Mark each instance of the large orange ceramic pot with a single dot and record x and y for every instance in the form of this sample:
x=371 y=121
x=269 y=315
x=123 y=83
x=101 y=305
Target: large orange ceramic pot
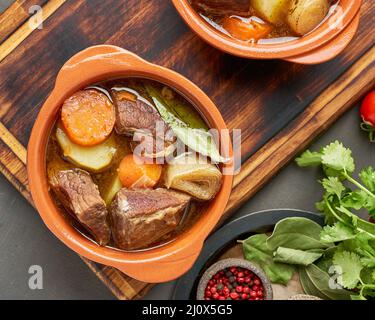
x=320 y=45
x=101 y=63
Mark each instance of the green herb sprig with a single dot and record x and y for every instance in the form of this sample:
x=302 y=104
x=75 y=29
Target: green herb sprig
x=338 y=165
x=344 y=247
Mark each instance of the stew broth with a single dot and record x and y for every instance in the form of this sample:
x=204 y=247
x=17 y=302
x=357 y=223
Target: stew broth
x=65 y=158
x=258 y=23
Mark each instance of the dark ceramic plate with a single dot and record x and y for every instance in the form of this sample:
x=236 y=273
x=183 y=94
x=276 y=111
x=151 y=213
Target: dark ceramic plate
x=226 y=237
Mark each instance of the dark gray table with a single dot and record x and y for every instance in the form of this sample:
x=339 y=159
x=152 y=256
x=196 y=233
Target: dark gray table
x=5 y=4
x=25 y=241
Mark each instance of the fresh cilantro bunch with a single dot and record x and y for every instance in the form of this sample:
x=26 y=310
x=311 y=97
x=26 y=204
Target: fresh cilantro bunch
x=343 y=250
x=342 y=191
x=354 y=253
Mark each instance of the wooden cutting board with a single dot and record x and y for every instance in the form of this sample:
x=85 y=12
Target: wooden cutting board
x=280 y=107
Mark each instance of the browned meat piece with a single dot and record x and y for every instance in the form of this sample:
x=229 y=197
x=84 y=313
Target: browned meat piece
x=138 y=117
x=80 y=196
x=142 y=217
x=222 y=7
x=134 y=115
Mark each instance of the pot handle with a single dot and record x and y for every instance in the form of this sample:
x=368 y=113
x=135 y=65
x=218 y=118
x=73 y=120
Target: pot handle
x=330 y=50
x=95 y=62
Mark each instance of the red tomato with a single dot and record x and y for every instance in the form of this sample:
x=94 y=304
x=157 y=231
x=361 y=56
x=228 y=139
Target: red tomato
x=368 y=109
x=368 y=115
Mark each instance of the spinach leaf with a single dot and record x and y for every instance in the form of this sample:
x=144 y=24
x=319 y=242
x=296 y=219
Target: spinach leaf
x=255 y=249
x=296 y=257
x=296 y=233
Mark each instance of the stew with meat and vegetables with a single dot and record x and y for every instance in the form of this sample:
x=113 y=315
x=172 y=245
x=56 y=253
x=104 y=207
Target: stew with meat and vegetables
x=126 y=163
x=265 y=21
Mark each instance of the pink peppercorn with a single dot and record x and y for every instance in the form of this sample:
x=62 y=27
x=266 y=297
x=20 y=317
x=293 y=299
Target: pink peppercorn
x=239 y=288
x=234 y=295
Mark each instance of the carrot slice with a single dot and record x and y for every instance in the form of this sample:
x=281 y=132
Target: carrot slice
x=133 y=173
x=88 y=117
x=246 y=31
x=125 y=95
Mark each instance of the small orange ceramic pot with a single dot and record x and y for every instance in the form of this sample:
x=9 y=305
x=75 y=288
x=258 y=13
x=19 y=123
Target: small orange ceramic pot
x=320 y=45
x=97 y=64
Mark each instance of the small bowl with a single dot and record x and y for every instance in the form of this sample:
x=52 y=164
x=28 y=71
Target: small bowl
x=92 y=65
x=227 y=263
x=320 y=45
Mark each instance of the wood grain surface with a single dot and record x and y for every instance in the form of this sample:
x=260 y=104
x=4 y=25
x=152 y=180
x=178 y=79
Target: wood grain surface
x=279 y=106
x=16 y=15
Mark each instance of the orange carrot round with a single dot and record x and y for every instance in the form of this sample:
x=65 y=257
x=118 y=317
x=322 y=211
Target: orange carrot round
x=246 y=31
x=133 y=173
x=88 y=117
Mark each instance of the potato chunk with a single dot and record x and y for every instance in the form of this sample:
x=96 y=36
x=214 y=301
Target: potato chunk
x=273 y=11
x=305 y=15
x=93 y=159
x=114 y=186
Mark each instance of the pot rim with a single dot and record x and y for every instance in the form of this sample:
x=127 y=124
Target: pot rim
x=90 y=66
x=315 y=39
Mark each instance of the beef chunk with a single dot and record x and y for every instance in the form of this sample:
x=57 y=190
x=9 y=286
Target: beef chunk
x=142 y=119
x=80 y=196
x=142 y=217
x=134 y=115
x=222 y=7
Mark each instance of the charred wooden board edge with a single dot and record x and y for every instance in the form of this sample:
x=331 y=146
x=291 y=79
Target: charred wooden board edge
x=118 y=283
x=15 y=15
x=24 y=30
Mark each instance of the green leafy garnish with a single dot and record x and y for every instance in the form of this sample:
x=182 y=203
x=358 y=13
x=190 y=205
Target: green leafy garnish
x=338 y=260
x=297 y=257
x=333 y=186
x=317 y=282
x=179 y=110
x=309 y=158
x=296 y=233
x=197 y=139
x=337 y=233
x=355 y=200
x=337 y=157
x=255 y=249
x=338 y=165
x=367 y=176
x=354 y=253
x=348 y=265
